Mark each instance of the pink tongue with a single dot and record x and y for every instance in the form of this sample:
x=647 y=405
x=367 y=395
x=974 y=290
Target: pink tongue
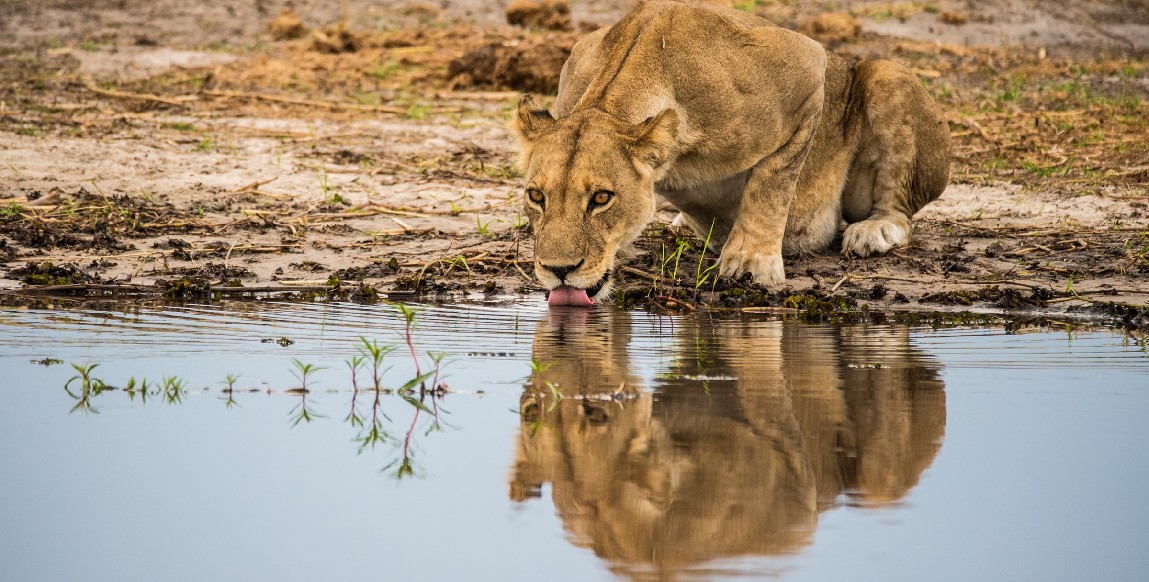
x=564 y=295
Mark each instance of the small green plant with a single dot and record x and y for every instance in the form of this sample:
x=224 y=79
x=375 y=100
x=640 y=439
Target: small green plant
x=454 y=262
x=325 y=185
x=383 y=70
x=1010 y=94
x=302 y=371
x=1036 y=169
x=375 y=354
x=417 y=111
x=484 y=228
x=229 y=382
x=204 y=145
x=408 y=315
x=12 y=210
x=354 y=364
x=746 y=5
x=683 y=245
x=702 y=275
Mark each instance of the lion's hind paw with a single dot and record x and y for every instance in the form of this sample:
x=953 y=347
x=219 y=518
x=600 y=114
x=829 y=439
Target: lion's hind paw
x=874 y=236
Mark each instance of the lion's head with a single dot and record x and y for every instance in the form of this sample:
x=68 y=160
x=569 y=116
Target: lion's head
x=589 y=191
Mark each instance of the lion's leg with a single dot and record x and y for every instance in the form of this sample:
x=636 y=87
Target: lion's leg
x=755 y=242
x=887 y=224
x=893 y=174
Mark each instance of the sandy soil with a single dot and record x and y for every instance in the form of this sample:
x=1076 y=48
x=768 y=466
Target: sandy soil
x=148 y=142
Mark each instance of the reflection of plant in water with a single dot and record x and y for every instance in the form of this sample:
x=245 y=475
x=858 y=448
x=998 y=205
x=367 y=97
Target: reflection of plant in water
x=406 y=467
x=414 y=392
x=89 y=386
x=300 y=412
x=134 y=388
x=531 y=409
x=229 y=389
x=422 y=393
x=173 y=390
x=371 y=354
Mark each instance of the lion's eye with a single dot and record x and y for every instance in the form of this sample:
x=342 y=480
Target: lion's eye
x=600 y=198
x=536 y=196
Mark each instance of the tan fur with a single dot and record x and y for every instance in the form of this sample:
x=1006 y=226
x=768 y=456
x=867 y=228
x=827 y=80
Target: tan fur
x=760 y=137
x=684 y=470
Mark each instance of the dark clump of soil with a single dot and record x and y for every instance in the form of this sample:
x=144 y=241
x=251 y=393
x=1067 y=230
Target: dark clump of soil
x=42 y=236
x=86 y=221
x=287 y=26
x=548 y=14
x=1130 y=316
x=532 y=65
x=336 y=39
x=186 y=289
x=1007 y=298
x=215 y=271
x=50 y=274
x=309 y=266
x=831 y=27
x=376 y=270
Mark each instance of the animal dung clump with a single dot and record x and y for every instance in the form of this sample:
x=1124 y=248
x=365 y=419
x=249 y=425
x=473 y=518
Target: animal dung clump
x=831 y=27
x=953 y=18
x=287 y=26
x=545 y=14
x=530 y=65
x=335 y=39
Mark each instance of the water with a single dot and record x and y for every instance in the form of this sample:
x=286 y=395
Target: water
x=683 y=449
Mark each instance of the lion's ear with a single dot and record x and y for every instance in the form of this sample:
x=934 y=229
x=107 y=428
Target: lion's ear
x=530 y=122
x=654 y=138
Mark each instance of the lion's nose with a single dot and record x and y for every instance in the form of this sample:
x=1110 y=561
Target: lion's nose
x=561 y=271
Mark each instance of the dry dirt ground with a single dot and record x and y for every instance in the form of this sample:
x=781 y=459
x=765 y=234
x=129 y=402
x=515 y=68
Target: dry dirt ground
x=361 y=149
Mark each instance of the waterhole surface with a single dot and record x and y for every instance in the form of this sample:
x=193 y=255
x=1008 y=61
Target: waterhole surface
x=682 y=448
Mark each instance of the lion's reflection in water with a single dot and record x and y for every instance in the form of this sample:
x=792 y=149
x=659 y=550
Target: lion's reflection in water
x=750 y=430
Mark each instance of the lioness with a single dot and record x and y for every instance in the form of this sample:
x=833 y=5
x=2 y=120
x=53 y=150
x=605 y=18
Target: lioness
x=763 y=140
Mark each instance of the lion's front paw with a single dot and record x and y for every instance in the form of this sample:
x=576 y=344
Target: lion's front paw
x=874 y=236
x=737 y=259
